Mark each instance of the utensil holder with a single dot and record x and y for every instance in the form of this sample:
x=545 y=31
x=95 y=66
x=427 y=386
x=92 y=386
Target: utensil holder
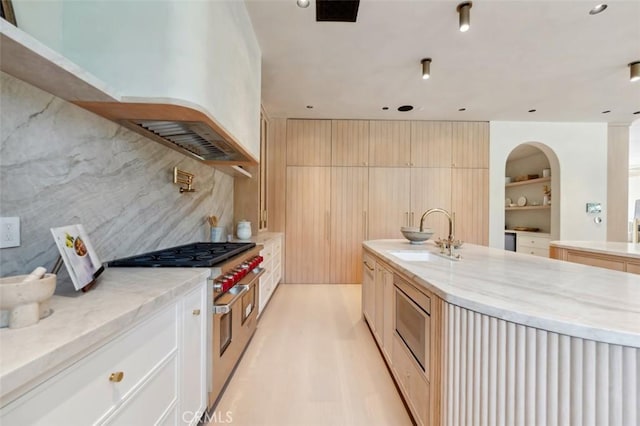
x=217 y=234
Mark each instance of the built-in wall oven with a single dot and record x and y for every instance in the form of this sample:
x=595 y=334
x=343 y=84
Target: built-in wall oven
x=412 y=322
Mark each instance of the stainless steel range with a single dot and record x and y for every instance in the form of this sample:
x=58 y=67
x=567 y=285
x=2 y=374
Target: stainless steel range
x=232 y=294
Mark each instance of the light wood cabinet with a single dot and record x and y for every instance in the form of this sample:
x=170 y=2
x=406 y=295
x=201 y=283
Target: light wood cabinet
x=277 y=174
x=431 y=143
x=616 y=262
x=389 y=201
x=308 y=224
x=412 y=381
x=272 y=261
x=390 y=143
x=380 y=277
x=431 y=187
x=470 y=147
x=368 y=288
x=348 y=223
x=389 y=312
x=350 y=143
x=470 y=202
x=308 y=142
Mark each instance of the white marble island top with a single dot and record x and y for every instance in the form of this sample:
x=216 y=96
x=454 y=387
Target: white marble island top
x=567 y=298
x=603 y=247
x=81 y=324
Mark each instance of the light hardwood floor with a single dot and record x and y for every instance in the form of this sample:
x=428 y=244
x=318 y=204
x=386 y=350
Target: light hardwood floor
x=312 y=361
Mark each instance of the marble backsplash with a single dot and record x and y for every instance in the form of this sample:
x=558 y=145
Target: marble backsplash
x=61 y=165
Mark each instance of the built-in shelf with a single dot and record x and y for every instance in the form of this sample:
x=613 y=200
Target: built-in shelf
x=528 y=208
x=528 y=182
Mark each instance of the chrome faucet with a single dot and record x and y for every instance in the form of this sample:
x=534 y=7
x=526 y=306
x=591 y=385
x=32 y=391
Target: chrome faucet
x=450 y=216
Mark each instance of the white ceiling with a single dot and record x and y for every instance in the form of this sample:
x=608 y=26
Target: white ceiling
x=551 y=56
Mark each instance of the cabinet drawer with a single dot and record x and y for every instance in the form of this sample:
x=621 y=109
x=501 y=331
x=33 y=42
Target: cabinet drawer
x=594 y=260
x=536 y=251
x=634 y=268
x=83 y=393
x=534 y=241
x=411 y=380
x=159 y=391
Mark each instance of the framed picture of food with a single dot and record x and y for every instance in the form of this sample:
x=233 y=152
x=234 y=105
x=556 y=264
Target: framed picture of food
x=78 y=255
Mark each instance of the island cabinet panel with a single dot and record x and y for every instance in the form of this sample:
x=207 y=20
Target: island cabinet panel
x=390 y=143
x=349 y=192
x=616 y=262
x=368 y=288
x=470 y=202
x=350 y=143
x=308 y=142
x=431 y=143
x=500 y=372
x=470 y=147
x=307 y=235
x=389 y=203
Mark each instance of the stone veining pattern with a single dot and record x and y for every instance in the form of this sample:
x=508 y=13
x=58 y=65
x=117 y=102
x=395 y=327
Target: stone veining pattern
x=61 y=165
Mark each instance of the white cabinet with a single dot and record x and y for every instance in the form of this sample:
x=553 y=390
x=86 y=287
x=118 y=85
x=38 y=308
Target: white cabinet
x=193 y=359
x=272 y=264
x=146 y=375
x=535 y=244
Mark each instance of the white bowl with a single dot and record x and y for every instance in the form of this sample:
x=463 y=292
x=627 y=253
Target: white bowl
x=23 y=299
x=413 y=234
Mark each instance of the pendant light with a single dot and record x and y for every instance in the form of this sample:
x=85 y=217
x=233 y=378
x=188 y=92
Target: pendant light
x=465 y=19
x=634 y=71
x=426 y=68
x=303 y=3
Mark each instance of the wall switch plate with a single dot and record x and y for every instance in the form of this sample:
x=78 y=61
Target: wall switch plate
x=594 y=208
x=9 y=232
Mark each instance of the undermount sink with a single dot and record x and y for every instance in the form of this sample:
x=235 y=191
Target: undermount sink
x=23 y=300
x=412 y=256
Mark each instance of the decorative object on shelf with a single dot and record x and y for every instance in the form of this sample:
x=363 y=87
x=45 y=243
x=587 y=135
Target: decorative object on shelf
x=181 y=177
x=546 y=200
x=522 y=201
x=507 y=179
x=78 y=255
x=507 y=202
x=525 y=228
x=546 y=173
x=244 y=230
x=522 y=178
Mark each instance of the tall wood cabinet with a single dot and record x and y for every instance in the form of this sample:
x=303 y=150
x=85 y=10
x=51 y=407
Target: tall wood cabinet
x=352 y=180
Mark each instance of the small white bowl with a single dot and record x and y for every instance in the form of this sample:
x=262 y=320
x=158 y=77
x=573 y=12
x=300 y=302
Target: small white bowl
x=413 y=234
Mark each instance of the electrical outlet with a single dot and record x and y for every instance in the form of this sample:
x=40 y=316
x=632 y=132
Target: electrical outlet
x=9 y=232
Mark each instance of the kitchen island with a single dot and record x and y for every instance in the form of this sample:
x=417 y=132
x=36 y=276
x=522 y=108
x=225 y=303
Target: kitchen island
x=618 y=256
x=516 y=339
x=102 y=353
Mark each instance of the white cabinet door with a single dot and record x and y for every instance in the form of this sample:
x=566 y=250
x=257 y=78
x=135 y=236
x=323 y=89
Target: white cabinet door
x=193 y=380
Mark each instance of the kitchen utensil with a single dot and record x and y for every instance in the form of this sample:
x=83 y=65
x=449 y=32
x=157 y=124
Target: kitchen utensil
x=213 y=221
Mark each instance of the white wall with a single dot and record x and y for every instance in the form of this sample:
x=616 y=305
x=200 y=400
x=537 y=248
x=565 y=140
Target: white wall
x=581 y=175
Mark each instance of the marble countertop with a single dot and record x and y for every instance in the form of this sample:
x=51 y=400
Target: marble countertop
x=603 y=247
x=86 y=321
x=568 y=298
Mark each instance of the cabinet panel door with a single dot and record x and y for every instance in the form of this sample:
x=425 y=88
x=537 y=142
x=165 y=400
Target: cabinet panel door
x=388 y=201
x=308 y=142
x=390 y=143
x=431 y=143
x=350 y=143
x=431 y=187
x=470 y=202
x=307 y=228
x=368 y=289
x=470 y=145
x=348 y=219
x=389 y=314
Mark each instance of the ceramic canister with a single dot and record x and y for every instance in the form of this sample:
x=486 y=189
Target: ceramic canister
x=244 y=230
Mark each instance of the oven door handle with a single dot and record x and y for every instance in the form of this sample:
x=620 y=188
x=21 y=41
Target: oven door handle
x=225 y=309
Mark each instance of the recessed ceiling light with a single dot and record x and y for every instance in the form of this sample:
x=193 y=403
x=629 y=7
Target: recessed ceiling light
x=634 y=71
x=606 y=112
x=462 y=109
x=303 y=3
x=405 y=108
x=598 y=9
x=532 y=110
x=310 y=106
x=385 y=108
